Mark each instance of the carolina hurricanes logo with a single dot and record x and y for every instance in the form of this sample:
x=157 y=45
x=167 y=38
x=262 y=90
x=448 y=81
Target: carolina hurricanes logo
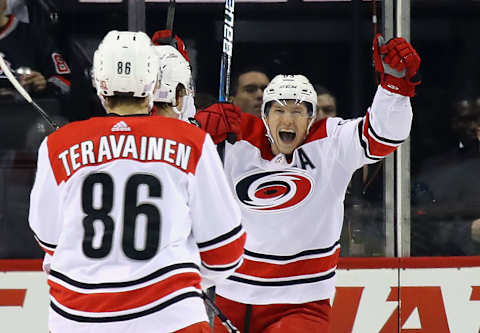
x=274 y=190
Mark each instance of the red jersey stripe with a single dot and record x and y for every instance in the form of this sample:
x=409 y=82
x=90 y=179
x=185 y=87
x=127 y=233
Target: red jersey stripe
x=302 y=267
x=125 y=300
x=226 y=254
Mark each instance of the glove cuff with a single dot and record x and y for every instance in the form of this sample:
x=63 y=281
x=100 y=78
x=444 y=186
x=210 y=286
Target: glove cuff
x=399 y=86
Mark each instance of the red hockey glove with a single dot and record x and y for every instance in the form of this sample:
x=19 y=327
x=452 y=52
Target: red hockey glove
x=221 y=121
x=398 y=64
x=164 y=37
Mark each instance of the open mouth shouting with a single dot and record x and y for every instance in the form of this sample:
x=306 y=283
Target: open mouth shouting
x=287 y=136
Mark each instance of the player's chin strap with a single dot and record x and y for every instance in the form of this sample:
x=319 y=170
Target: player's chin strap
x=150 y=106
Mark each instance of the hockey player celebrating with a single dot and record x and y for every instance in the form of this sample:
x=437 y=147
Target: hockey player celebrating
x=290 y=176
x=119 y=206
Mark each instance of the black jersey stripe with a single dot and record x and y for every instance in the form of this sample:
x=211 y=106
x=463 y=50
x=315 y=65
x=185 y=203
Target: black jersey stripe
x=381 y=138
x=364 y=144
x=293 y=256
x=161 y=306
x=149 y=277
x=280 y=283
x=47 y=245
x=221 y=268
x=221 y=238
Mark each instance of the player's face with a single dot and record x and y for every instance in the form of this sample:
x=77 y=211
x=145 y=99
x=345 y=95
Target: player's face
x=250 y=92
x=288 y=122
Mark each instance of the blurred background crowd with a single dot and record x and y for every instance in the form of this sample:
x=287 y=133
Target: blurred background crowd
x=49 y=46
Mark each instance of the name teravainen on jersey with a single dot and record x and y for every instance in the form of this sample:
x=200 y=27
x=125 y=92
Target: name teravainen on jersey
x=125 y=146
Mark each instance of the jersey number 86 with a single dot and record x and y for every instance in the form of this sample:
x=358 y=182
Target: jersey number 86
x=131 y=211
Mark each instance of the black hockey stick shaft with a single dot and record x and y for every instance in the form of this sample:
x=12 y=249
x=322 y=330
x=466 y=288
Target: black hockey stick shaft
x=226 y=61
x=223 y=94
x=45 y=116
x=217 y=312
x=227 y=48
x=170 y=20
x=170 y=15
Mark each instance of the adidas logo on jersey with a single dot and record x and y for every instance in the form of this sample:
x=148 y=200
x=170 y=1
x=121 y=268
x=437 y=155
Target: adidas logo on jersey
x=121 y=126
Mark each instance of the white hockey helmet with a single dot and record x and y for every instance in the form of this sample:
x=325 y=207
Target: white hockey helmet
x=125 y=62
x=289 y=87
x=174 y=70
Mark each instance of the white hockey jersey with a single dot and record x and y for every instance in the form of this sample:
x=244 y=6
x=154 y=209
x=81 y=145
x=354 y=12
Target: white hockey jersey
x=135 y=211
x=293 y=212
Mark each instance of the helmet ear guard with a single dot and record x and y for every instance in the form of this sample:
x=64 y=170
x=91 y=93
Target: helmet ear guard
x=125 y=64
x=174 y=70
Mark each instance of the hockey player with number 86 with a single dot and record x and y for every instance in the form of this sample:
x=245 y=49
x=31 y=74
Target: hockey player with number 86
x=121 y=206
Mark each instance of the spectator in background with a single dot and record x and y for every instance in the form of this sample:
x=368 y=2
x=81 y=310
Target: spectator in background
x=31 y=53
x=203 y=100
x=326 y=102
x=446 y=192
x=247 y=90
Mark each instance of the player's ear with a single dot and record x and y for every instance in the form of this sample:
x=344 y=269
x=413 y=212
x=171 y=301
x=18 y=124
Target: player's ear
x=180 y=92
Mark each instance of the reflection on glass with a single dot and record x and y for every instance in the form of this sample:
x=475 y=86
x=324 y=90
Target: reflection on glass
x=446 y=191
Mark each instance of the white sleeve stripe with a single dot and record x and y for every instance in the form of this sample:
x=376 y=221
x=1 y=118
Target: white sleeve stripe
x=220 y=268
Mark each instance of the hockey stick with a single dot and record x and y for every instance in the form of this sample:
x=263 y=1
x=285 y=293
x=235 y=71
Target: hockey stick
x=25 y=94
x=226 y=63
x=223 y=92
x=171 y=16
x=227 y=48
x=217 y=312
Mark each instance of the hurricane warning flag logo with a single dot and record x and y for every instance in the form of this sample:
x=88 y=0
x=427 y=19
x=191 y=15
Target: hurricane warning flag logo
x=274 y=190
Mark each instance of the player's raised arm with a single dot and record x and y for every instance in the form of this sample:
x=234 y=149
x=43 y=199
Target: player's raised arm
x=388 y=121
